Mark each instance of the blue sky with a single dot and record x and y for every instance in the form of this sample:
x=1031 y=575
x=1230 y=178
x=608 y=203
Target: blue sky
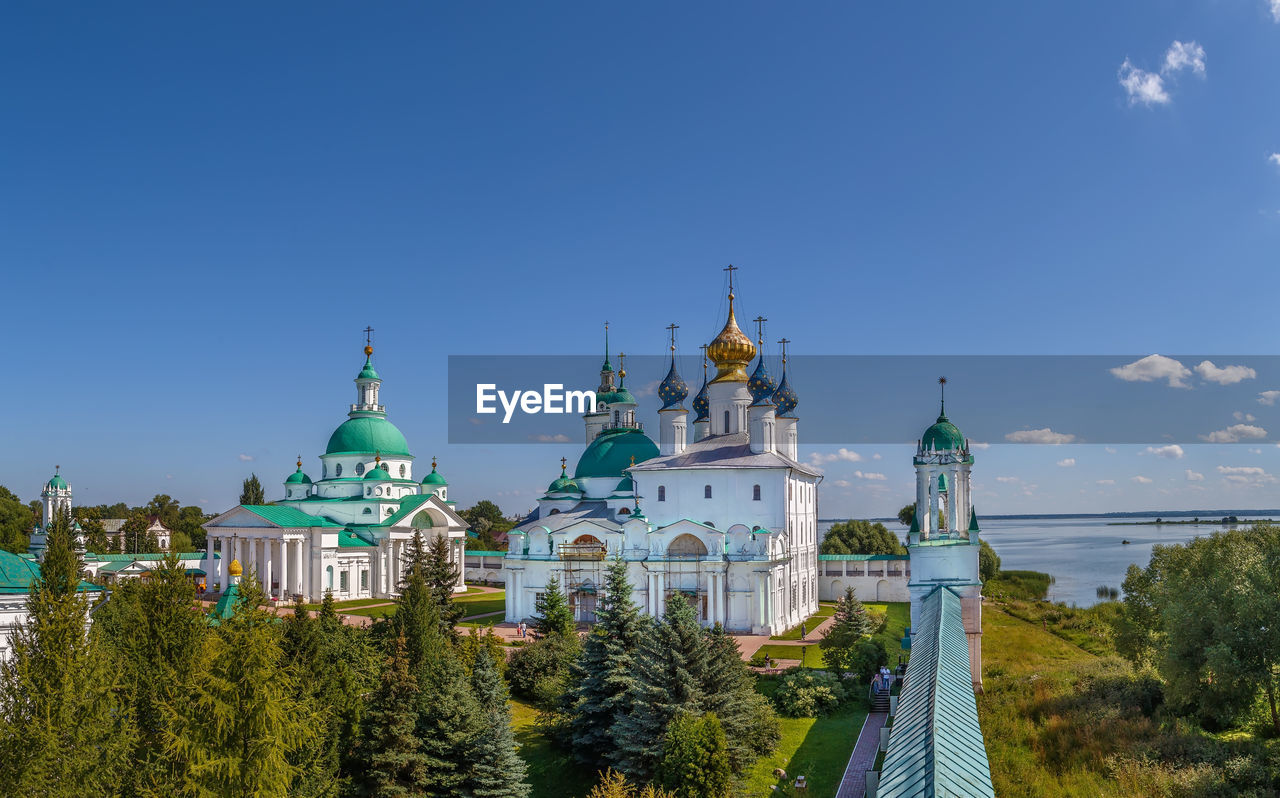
x=202 y=205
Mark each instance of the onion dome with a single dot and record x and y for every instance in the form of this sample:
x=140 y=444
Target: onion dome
x=57 y=482
x=234 y=568
x=297 y=477
x=701 y=404
x=368 y=373
x=613 y=452
x=366 y=434
x=731 y=351
x=625 y=486
x=943 y=436
x=673 y=390
x=563 y=484
x=785 y=398
x=379 y=471
x=761 y=385
x=434 y=478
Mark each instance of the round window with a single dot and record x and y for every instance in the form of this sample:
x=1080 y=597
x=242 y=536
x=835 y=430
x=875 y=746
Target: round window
x=377 y=491
x=337 y=470
x=359 y=469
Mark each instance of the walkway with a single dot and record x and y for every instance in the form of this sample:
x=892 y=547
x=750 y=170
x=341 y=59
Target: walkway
x=854 y=782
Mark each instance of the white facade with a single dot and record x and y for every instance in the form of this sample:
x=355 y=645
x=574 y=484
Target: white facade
x=348 y=532
x=730 y=520
x=873 y=577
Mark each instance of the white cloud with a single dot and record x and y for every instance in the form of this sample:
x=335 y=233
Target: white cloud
x=1194 y=476
x=843 y=483
x=1067 y=463
x=1006 y=480
x=875 y=456
x=1236 y=433
x=1275 y=156
x=245 y=458
x=1275 y=10
x=1044 y=435
x=1183 y=55
x=870 y=475
x=1242 y=416
x=1247 y=471
x=559 y=437
x=1255 y=451
x=1171 y=452
x=841 y=454
x=1142 y=86
x=649 y=389
x=979 y=445
x=1227 y=375
x=1268 y=398
x=1109 y=449
x=1106 y=482
x=1141 y=480
x=1154 y=368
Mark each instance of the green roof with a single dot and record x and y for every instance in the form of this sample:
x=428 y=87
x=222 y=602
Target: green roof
x=973 y=522
x=57 y=482
x=280 y=515
x=864 y=556
x=367 y=373
x=936 y=745
x=942 y=436
x=368 y=435
x=408 y=505
x=298 y=477
x=350 y=538
x=16 y=573
x=475 y=553
x=378 y=472
x=611 y=453
x=226 y=606
x=434 y=478
x=154 y=555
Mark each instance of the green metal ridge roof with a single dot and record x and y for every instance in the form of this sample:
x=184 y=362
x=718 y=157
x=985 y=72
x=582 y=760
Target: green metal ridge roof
x=864 y=556
x=478 y=553
x=351 y=539
x=280 y=515
x=407 y=505
x=155 y=555
x=936 y=748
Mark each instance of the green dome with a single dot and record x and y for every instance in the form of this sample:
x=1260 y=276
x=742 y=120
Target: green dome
x=16 y=573
x=367 y=435
x=625 y=486
x=367 y=373
x=57 y=483
x=434 y=478
x=378 y=472
x=610 y=454
x=298 y=478
x=563 y=484
x=620 y=396
x=942 y=436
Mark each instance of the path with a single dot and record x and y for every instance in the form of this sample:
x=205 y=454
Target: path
x=854 y=782
x=750 y=644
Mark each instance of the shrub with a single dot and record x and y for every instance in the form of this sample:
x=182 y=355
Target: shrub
x=807 y=693
x=540 y=670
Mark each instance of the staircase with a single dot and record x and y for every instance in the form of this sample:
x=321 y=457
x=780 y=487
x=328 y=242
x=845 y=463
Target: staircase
x=880 y=702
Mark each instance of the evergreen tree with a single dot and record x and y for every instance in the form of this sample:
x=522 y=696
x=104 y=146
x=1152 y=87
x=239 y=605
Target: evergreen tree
x=695 y=762
x=417 y=617
x=746 y=716
x=851 y=626
x=63 y=729
x=244 y=723
x=497 y=771
x=448 y=717
x=470 y=645
x=669 y=672
x=613 y=784
x=391 y=762
x=602 y=676
x=554 y=615
x=442 y=575
x=251 y=491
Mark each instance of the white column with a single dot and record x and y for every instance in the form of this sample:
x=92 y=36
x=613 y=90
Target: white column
x=284 y=570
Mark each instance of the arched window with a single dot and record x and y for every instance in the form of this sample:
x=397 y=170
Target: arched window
x=726 y=422
x=617 y=416
x=422 y=521
x=337 y=470
x=402 y=470
x=706 y=491
x=359 y=469
x=329 y=576
x=377 y=491
x=755 y=493
x=368 y=511
x=662 y=493
x=553 y=512
x=624 y=511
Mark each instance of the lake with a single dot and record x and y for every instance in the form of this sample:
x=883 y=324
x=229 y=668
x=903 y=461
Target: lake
x=1080 y=553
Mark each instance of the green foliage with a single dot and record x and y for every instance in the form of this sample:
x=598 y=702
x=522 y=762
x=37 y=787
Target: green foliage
x=390 y=757
x=729 y=692
x=866 y=658
x=613 y=784
x=861 y=537
x=539 y=671
x=497 y=771
x=695 y=762
x=988 y=562
x=486 y=520
x=134 y=538
x=806 y=693
x=907 y=514
x=851 y=626
x=251 y=491
x=442 y=576
x=477 y=640
x=554 y=615
x=449 y=718
x=1017 y=585
x=15 y=522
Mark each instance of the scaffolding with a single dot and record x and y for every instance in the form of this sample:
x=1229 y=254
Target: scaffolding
x=681 y=563
x=582 y=562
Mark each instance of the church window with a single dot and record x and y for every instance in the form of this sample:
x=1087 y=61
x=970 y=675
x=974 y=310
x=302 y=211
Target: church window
x=364 y=580
x=755 y=493
x=662 y=493
x=726 y=422
x=329 y=573
x=359 y=469
x=368 y=511
x=377 y=491
x=402 y=470
x=624 y=511
x=342 y=581
x=617 y=416
x=337 y=472
x=553 y=512
x=706 y=491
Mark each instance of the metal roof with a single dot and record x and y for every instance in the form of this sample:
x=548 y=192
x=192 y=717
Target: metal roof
x=721 y=451
x=280 y=515
x=936 y=748
x=903 y=557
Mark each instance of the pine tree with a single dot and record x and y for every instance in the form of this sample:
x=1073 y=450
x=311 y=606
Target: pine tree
x=850 y=627
x=442 y=575
x=602 y=676
x=63 y=729
x=669 y=672
x=554 y=615
x=497 y=771
x=391 y=762
x=243 y=723
x=746 y=716
x=448 y=717
x=417 y=617
x=251 y=491
x=695 y=762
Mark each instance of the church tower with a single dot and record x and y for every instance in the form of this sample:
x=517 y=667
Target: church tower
x=944 y=538
x=673 y=417
x=727 y=395
x=55 y=498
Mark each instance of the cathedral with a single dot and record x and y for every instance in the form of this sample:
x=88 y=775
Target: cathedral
x=727 y=518
x=347 y=531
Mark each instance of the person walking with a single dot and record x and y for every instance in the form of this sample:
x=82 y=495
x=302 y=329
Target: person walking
x=803 y=631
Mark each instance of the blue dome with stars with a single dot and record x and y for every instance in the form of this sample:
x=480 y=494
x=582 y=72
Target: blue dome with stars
x=761 y=385
x=701 y=404
x=784 y=397
x=673 y=389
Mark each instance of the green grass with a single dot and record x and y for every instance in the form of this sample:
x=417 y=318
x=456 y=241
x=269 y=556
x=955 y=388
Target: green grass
x=817 y=748
x=897 y=617
x=1024 y=585
x=373 y=612
x=480 y=606
x=552 y=774
x=482 y=622
x=341 y=605
x=825 y=610
x=812 y=654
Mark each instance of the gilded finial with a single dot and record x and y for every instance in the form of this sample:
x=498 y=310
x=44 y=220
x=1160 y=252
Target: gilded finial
x=783 y=343
x=731 y=351
x=368 y=341
x=622 y=365
x=760 y=320
x=299 y=462
x=377 y=459
x=942 y=386
x=234 y=569
x=433 y=463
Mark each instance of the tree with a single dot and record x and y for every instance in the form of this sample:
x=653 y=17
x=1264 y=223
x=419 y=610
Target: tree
x=391 y=761
x=486 y=520
x=134 y=538
x=613 y=784
x=15 y=522
x=554 y=615
x=851 y=626
x=497 y=771
x=475 y=641
x=746 y=716
x=669 y=672
x=164 y=509
x=601 y=676
x=251 y=491
x=907 y=514
x=449 y=719
x=861 y=537
x=988 y=562
x=442 y=576
x=695 y=762
x=63 y=728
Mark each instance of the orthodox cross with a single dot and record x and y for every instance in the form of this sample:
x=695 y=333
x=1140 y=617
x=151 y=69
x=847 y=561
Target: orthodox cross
x=563 y=460
x=942 y=382
x=368 y=336
x=784 y=343
x=760 y=320
x=671 y=328
x=704 y=360
x=731 y=269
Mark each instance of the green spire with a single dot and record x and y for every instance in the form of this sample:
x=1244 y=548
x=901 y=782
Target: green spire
x=606 y=366
x=973 y=522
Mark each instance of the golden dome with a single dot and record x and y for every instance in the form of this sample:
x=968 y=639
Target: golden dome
x=731 y=351
x=234 y=569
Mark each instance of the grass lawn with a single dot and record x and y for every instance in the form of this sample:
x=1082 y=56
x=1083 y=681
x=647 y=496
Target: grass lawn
x=551 y=773
x=490 y=602
x=825 y=610
x=818 y=748
x=812 y=654
x=341 y=605
x=373 y=612
x=483 y=621
x=898 y=615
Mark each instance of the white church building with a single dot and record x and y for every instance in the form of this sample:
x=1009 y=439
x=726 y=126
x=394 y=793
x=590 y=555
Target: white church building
x=346 y=532
x=728 y=518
